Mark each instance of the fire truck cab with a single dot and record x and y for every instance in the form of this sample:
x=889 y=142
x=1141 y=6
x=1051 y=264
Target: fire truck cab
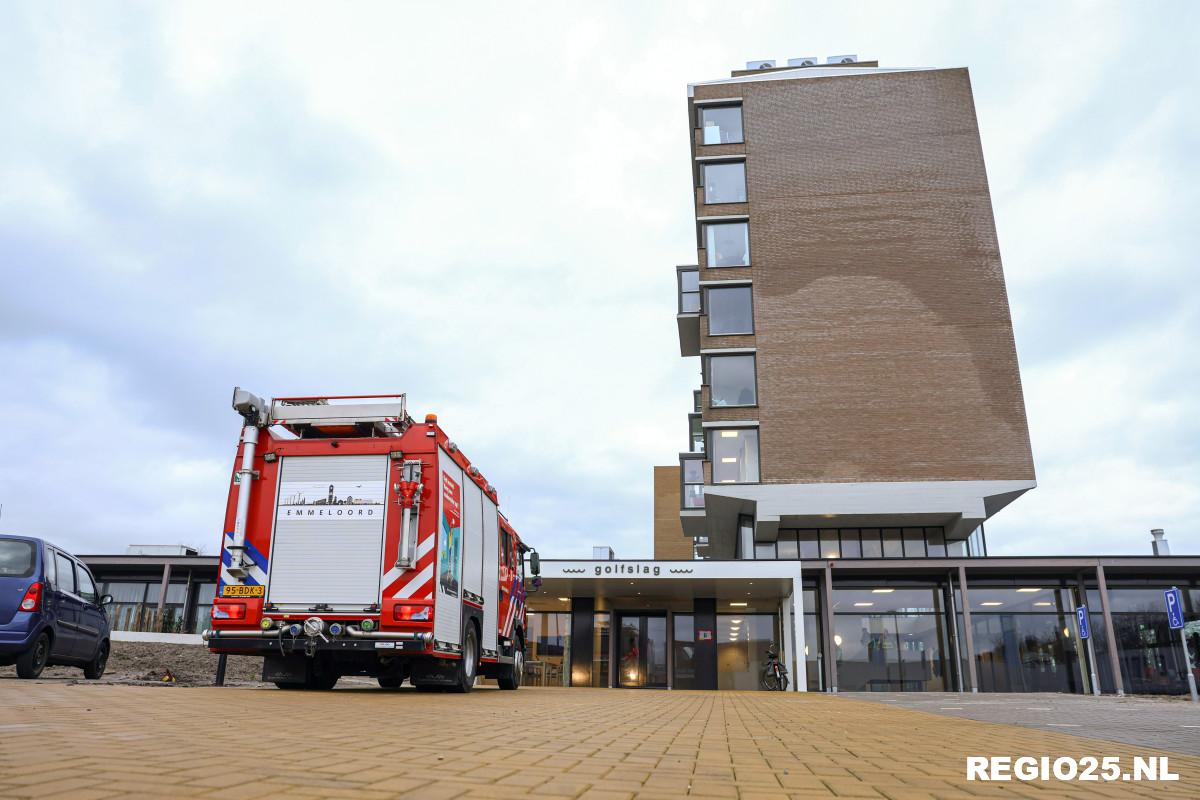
x=358 y=542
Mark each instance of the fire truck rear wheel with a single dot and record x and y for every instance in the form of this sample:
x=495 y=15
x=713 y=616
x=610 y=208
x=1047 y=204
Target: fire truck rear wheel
x=390 y=681
x=512 y=680
x=322 y=683
x=468 y=665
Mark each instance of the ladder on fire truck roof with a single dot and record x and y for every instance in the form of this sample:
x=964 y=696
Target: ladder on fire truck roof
x=383 y=415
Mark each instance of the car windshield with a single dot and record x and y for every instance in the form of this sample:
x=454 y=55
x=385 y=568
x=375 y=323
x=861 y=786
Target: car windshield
x=16 y=558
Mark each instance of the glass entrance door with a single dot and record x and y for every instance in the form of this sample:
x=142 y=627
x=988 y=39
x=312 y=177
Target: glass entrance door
x=642 y=651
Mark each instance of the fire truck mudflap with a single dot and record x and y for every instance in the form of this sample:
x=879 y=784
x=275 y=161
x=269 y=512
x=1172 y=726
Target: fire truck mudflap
x=365 y=544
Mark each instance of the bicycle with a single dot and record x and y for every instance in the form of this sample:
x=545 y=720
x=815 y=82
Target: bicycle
x=775 y=674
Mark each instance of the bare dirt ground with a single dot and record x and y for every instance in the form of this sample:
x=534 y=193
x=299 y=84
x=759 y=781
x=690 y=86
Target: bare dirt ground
x=151 y=662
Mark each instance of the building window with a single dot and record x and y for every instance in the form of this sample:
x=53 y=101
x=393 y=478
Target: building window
x=696 y=431
x=727 y=244
x=732 y=382
x=689 y=291
x=601 y=630
x=872 y=546
x=809 y=544
x=786 y=548
x=724 y=182
x=742 y=642
x=891 y=639
x=692 y=473
x=730 y=311
x=735 y=455
x=721 y=124
x=1024 y=638
x=548 y=649
x=684 y=644
x=829 y=544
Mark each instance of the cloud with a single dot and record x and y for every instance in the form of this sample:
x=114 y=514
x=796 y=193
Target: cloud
x=482 y=206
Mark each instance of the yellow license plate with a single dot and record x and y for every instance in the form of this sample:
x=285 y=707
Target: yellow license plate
x=243 y=591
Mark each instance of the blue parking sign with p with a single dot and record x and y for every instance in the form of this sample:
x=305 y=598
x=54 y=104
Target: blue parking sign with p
x=1081 y=614
x=1174 y=600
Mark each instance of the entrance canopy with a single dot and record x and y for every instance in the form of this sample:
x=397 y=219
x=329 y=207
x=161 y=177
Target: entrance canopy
x=669 y=580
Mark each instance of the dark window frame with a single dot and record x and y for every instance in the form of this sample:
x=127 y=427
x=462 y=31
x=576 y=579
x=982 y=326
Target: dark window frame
x=706 y=306
x=704 y=245
x=711 y=452
x=707 y=377
x=700 y=109
x=721 y=162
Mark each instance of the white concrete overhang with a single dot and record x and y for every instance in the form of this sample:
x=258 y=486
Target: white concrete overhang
x=958 y=506
x=622 y=580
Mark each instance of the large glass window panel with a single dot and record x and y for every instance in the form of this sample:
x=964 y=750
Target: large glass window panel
x=850 y=545
x=872 y=546
x=1025 y=653
x=809 y=544
x=742 y=642
x=126 y=610
x=548 y=649
x=935 y=539
x=601 y=631
x=689 y=291
x=764 y=550
x=696 y=431
x=693 y=482
x=684 y=651
x=735 y=455
x=829 y=544
x=893 y=545
x=732 y=382
x=724 y=182
x=730 y=311
x=204 y=593
x=721 y=124
x=914 y=542
x=814 y=666
x=727 y=244
x=786 y=547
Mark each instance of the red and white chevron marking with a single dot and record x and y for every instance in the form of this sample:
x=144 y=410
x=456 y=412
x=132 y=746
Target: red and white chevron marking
x=415 y=583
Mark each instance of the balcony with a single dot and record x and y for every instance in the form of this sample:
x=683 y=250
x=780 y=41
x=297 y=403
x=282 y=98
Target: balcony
x=688 y=312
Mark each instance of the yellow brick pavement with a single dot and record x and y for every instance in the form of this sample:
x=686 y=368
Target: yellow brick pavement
x=98 y=741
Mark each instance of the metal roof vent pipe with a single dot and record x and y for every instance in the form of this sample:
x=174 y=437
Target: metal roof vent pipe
x=1160 y=545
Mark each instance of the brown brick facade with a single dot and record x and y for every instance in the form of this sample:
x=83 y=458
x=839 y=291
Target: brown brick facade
x=669 y=541
x=885 y=344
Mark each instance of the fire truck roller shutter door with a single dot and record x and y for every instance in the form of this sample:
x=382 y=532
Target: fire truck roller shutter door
x=472 y=541
x=491 y=576
x=329 y=523
x=447 y=582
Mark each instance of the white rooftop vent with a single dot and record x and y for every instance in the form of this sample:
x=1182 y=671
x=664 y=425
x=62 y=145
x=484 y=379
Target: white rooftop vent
x=850 y=59
x=760 y=64
x=803 y=61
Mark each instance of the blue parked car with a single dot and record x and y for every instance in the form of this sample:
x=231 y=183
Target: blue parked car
x=50 y=612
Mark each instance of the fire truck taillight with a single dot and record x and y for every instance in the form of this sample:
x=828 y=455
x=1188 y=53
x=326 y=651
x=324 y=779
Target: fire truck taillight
x=32 y=601
x=410 y=613
x=229 y=611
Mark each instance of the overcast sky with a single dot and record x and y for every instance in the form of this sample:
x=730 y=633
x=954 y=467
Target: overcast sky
x=482 y=205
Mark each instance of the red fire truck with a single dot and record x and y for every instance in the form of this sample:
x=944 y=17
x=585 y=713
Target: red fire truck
x=359 y=542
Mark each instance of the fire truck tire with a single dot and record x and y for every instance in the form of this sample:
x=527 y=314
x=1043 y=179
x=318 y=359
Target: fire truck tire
x=468 y=665
x=289 y=684
x=511 y=678
x=390 y=681
x=322 y=683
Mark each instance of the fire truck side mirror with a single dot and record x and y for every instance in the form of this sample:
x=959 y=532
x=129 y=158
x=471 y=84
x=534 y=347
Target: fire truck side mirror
x=535 y=562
